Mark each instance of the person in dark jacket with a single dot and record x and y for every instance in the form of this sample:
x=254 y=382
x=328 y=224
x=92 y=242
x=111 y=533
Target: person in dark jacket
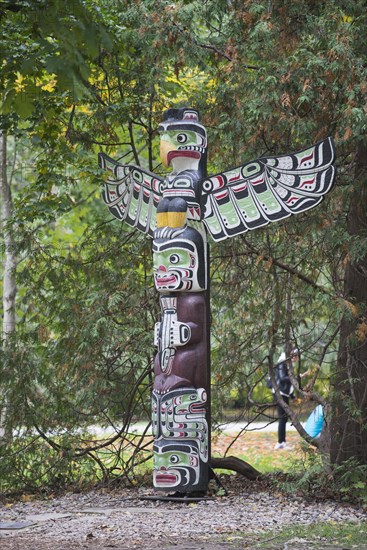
x=286 y=390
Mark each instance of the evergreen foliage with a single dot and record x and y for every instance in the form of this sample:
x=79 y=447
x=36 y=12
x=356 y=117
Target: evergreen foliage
x=268 y=77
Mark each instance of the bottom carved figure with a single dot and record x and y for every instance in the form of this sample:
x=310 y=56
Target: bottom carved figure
x=181 y=444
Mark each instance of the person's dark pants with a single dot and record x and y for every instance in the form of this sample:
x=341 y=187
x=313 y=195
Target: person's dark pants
x=283 y=417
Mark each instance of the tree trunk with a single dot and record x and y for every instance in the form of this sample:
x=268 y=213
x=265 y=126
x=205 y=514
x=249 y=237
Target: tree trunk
x=349 y=419
x=9 y=285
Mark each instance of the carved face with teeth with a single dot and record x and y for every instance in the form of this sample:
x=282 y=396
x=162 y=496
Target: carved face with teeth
x=175 y=266
x=183 y=140
x=176 y=464
x=179 y=260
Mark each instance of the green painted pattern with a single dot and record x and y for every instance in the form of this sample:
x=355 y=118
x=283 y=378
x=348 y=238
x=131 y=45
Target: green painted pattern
x=269 y=202
x=248 y=208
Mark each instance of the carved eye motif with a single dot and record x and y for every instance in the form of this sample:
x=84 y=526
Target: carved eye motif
x=174 y=259
x=174 y=459
x=181 y=138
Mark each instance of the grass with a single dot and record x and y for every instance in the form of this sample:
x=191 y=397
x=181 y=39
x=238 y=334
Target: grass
x=320 y=535
x=257 y=448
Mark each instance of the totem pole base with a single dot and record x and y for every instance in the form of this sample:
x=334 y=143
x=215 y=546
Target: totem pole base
x=189 y=497
x=177 y=497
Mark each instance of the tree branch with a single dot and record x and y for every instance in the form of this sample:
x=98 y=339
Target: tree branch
x=212 y=48
x=237 y=465
x=283 y=266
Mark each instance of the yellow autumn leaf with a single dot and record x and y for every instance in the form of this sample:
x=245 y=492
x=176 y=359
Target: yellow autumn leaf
x=49 y=86
x=85 y=109
x=19 y=84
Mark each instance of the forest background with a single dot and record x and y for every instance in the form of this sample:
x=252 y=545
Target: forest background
x=78 y=300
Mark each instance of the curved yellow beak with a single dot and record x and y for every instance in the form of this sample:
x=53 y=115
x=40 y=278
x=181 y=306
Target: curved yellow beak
x=165 y=148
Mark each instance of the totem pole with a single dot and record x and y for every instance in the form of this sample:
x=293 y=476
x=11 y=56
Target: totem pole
x=178 y=212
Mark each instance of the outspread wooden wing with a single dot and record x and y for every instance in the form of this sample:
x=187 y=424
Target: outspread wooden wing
x=267 y=190
x=131 y=194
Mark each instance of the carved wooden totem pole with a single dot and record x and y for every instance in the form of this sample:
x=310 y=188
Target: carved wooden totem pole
x=178 y=212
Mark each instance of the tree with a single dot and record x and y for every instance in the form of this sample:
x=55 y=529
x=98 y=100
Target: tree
x=349 y=437
x=9 y=285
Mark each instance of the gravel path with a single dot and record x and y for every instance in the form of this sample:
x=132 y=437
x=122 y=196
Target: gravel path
x=121 y=520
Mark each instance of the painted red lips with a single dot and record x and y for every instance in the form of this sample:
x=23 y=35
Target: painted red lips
x=165 y=478
x=163 y=281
